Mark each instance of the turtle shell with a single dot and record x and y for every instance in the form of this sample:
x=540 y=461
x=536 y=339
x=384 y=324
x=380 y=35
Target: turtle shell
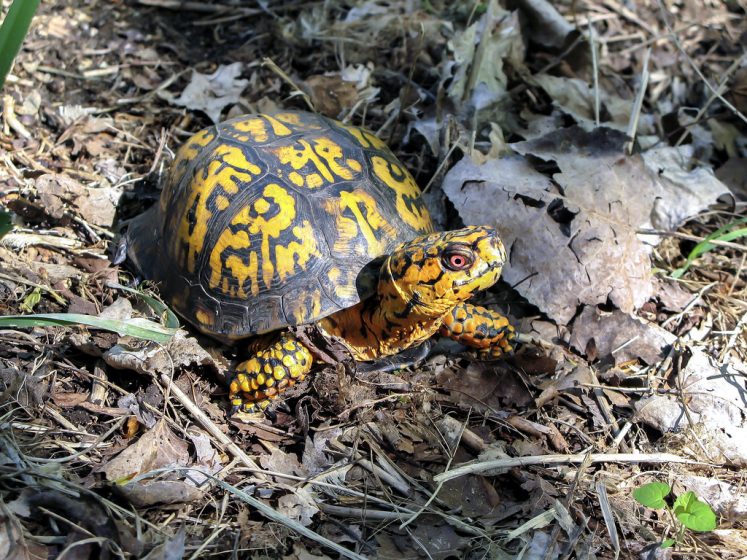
x=267 y=221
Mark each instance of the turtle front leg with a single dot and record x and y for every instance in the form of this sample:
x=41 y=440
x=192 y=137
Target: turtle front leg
x=478 y=327
x=268 y=373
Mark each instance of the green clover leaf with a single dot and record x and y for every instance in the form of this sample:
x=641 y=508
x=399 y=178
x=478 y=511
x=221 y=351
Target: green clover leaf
x=694 y=514
x=652 y=494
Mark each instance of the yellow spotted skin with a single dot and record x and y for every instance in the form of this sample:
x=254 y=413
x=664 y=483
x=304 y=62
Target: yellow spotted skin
x=479 y=328
x=271 y=221
x=269 y=372
x=416 y=293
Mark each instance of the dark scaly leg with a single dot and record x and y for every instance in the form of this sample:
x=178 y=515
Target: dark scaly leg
x=268 y=373
x=477 y=327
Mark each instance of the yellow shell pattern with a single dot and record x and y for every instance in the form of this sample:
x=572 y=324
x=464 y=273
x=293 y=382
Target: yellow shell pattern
x=266 y=221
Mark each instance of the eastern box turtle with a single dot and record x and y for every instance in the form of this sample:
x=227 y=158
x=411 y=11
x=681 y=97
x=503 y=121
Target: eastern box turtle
x=270 y=221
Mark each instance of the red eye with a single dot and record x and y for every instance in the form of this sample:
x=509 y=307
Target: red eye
x=457 y=261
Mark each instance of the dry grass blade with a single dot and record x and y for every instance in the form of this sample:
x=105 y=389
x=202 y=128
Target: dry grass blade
x=638 y=103
x=265 y=510
x=609 y=517
x=500 y=464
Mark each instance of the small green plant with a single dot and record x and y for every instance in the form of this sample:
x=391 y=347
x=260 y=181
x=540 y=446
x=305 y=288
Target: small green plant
x=13 y=31
x=724 y=233
x=692 y=513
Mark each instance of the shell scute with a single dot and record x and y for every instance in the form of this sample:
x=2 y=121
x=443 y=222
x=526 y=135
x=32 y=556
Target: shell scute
x=266 y=221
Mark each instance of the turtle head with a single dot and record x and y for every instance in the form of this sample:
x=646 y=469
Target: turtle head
x=435 y=272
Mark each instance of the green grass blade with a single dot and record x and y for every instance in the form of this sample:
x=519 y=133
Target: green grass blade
x=12 y=32
x=721 y=234
x=167 y=316
x=139 y=328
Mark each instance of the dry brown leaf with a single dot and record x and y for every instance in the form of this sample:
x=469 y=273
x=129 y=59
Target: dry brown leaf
x=157 y=448
x=156 y=492
x=479 y=53
x=69 y=400
x=618 y=337
x=60 y=193
x=438 y=540
x=715 y=399
x=315 y=458
x=577 y=98
x=300 y=553
x=575 y=242
x=299 y=506
x=484 y=386
x=734 y=174
x=211 y=93
x=282 y=462
x=671 y=294
x=472 y=495
x=181 y=351
x=331 y=95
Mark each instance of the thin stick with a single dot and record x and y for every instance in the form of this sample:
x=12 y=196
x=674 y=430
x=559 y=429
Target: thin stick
x=578 y=458
x=209 y=426
x=722 y=87
x=267 y=61
x=595 y=71
x=57 y=297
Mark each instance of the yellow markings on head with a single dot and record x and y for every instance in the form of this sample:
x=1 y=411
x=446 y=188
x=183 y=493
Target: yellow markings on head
x=397 y=178
x=316 y=162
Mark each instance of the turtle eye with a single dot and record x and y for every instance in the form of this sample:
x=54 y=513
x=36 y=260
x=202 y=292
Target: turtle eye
x=455 y=259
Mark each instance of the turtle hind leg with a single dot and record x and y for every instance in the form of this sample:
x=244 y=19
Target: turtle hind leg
x=477 y=327
x=269 y=372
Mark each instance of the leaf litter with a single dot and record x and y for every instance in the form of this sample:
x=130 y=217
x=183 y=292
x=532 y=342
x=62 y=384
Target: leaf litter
x=503 y=111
